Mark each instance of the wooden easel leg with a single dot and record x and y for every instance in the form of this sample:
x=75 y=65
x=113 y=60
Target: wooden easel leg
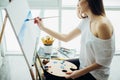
x=36 y=70
x=3 y=27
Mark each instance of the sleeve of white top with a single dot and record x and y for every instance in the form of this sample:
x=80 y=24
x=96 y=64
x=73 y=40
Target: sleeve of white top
x=104 y=51
x=82 y=24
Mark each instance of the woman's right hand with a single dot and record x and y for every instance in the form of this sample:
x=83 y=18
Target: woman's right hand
x=39 y=22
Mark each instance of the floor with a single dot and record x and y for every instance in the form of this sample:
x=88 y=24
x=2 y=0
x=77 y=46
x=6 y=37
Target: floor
x=18 y=68
x=20 y=71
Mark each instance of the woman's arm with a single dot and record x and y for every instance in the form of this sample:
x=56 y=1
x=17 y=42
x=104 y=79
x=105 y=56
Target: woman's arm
x=62 y=37
x=81 y=72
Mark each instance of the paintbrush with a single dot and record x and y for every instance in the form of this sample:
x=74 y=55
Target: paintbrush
x=42 y=18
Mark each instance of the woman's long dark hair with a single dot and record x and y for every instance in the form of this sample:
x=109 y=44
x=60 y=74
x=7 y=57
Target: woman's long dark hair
x=96 y=7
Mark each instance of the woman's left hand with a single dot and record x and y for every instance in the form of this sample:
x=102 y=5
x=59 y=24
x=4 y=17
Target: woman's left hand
x=73 y=75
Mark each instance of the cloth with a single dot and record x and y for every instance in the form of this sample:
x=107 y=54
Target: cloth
x=4 y=70
x=94 y=49
x=1 y=59
x=4 y=66
x=1 y=55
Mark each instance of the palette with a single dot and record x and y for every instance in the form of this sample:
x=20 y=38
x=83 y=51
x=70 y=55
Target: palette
x=59 y=67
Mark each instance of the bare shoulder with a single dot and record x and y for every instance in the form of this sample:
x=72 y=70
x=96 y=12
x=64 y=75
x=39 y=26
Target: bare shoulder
x=104 y=29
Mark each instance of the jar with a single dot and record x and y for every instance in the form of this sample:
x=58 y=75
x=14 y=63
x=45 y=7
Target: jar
x=48 y=51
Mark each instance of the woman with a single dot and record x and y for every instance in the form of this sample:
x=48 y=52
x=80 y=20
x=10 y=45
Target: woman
x=97 y=40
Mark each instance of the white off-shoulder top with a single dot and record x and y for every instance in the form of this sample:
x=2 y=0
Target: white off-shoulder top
x=97 y=50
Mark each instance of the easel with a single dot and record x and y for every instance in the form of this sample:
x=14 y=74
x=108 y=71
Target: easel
x=3 y=28
x=1 y=35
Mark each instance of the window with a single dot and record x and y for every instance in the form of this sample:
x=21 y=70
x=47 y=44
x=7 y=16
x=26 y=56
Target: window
x=114 y=15
x=11 y=41
x=69 y=3
x=69 y=22
x=111 y=2
x=51 y=23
